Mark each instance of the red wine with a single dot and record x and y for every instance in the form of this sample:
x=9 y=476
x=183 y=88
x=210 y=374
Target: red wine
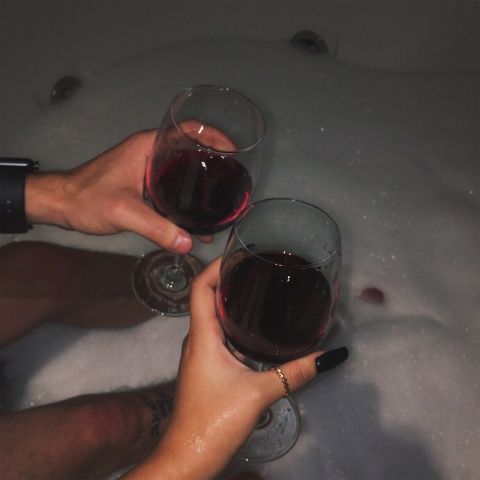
x=275 y=307
x=200 y=191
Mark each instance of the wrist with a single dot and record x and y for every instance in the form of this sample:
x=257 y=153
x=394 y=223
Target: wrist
x=182 y=455
x=45 y=198
x=174 y=464
x=161 y=464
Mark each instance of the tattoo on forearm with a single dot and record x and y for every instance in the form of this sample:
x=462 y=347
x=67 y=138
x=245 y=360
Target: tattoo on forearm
x=161 y=408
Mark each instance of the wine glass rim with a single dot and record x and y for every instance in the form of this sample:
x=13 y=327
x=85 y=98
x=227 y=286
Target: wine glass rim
x=332 y=253
x=210 y=149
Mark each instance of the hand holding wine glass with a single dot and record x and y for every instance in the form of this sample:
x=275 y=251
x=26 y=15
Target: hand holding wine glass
x=218 y=399
x=104 y=196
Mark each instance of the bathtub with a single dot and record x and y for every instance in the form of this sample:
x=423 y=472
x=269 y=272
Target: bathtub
x=382 y=132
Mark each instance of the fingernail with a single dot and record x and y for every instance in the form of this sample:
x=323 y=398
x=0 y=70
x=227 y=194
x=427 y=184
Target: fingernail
x=183 y=242
x=331 y=359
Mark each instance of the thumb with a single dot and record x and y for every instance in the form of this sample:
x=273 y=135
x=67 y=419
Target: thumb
x=300 y=371
x=140 y=218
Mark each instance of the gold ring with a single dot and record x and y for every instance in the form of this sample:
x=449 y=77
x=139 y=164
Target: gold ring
x=284 y=380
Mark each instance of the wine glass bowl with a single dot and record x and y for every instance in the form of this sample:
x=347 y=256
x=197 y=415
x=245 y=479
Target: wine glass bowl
x=278 y=289
x=201 y=175
x=279 y=280
x=203 y=169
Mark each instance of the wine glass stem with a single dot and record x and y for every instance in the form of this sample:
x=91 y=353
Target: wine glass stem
x=172 y=277
x=177 y=260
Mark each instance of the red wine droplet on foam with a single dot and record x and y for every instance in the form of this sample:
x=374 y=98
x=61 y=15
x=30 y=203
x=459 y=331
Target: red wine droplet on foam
x=372 y=295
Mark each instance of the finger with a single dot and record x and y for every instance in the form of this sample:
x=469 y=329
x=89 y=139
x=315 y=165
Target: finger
x=202 y=302
x=207 y=135
x=205 y=238
x=214 y=138
x=301 y=371
x=141 y=219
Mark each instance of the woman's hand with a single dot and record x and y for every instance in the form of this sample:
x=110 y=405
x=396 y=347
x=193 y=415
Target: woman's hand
x=218 y=400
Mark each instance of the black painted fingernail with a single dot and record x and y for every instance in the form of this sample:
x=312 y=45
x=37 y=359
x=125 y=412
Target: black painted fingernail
x=331 y=359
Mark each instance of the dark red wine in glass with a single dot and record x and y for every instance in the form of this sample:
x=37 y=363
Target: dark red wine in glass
x=200 y=175
x=279 y=285
x=291 y=314
x=202 y=192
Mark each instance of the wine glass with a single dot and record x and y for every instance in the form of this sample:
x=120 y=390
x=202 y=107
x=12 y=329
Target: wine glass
x=278 y=288
x=201 y=175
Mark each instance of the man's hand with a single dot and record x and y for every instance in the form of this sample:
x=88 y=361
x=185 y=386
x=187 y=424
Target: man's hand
x=104 y=196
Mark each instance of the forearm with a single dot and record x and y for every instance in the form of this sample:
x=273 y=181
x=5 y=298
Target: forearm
x=159 y=467
x=84 y=437
x=168 y=465
x=64 y=285
x=181 y=453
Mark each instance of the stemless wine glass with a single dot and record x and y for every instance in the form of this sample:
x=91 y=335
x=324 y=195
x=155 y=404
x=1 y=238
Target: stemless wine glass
x=201 y=175
x=279 y=285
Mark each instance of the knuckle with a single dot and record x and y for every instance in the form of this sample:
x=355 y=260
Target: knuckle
x=297 y=375
x=169 y=231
